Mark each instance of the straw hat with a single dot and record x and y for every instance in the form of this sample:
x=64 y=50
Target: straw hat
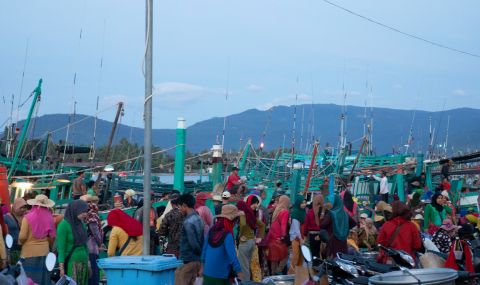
x=226 y=195
x=41 y=201
x=383 y=206
x=217 y=198
x=364 y=216
x=130 y=192
x=418 y=217
x=378 y=218
x=89 y=198
x=230 y=212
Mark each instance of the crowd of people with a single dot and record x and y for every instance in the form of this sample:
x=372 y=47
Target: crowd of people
x=239 y=235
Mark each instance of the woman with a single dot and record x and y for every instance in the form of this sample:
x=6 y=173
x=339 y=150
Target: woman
x=95 y=237
x=349 y=205
x=277 y=239
x=37 y=233
x=297 y=216
x=13 y=221
x=218 y=255
x=312 y=225
x=72 y=243
x=203 y=211
x=399 y=233
x=338 y=224
x=126 y=235
x=352 y=241
x=367 y=236
x=435 y=213
x=444 y=236
x=251 y=231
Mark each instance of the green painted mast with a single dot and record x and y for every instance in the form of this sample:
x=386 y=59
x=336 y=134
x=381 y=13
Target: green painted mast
x=179 y=172
x=36 y=97
x=246 y=152
x=45 y=148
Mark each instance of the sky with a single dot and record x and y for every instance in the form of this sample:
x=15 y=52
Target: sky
x=260 y=53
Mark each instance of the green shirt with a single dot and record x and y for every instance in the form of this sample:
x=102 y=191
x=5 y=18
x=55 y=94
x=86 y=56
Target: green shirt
x=247 y=232
x=432 y=216
x=65 y=244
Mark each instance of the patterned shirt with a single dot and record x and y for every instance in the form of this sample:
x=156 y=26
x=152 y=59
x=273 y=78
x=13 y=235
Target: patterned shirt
x=171 y=227
x=442 y=240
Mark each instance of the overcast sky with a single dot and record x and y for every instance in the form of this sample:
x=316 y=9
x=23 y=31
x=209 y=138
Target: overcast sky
x=263 y=52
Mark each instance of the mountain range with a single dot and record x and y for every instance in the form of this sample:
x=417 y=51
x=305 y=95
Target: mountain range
x=275 y=127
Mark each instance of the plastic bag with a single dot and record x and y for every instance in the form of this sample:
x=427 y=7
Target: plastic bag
x=66 y=280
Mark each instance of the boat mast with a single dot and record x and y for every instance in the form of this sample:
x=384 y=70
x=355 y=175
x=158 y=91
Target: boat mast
x=445 y=145
x=147 y=143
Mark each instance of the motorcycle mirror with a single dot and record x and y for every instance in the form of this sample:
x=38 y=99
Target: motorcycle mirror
x=307 y=254
x=50 y=261
x=9 y=241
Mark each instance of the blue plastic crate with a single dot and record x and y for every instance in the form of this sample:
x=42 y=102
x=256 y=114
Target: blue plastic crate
x=145 y=270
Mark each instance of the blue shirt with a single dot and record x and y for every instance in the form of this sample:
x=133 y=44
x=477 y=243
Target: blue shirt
x=219 y=260
x=191 y=239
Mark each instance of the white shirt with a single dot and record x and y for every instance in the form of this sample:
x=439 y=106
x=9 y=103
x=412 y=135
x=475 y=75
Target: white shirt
x=295 y=230
x=384 y=189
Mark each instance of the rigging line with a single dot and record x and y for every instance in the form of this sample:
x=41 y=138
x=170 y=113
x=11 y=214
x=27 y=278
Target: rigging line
x=77 y=122
x=402 y=32
x=226 y=99
x=96 y=167
x=21 y=83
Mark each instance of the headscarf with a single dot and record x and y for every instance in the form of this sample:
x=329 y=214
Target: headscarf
x=317 y=203
x=201 y=199
x=399 y=209
x=118 y=218
x=297 y=212
x=219 y=231
x=74 y=209
x=41 y=222
x=249 y=214
x=434 y=203
x=348 y=200
x=415 y=199
x=283 y=204
x=339 y=219
x=92 y=215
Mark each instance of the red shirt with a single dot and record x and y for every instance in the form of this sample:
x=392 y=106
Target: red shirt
x=310 y=224
x=232 y=180
x=408 y=238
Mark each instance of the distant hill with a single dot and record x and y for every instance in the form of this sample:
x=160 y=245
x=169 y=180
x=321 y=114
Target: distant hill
x=390 y=128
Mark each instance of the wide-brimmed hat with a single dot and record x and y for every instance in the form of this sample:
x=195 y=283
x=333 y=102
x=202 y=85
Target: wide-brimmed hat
x=217 y=198
x=226 y=195
x=383 y=206
x=230 y=212
x=364 y=216
x=418 y=217
x=41 y=201
x=130 y=192
x=448 y=225
x=89 y=198
x=378 y=218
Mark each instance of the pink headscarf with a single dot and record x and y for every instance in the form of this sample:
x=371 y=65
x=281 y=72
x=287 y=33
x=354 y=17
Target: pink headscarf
x=41 y=222
x=206 y=216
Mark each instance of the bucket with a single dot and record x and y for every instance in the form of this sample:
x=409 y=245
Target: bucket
x=437 y=276
x=145 y=270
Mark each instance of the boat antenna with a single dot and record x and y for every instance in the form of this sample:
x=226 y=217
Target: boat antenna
x=226 y=100
x=301 y=129
x=21 y=82
x=445 y=145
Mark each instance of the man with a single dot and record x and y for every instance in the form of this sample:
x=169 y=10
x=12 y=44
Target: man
x=233 y=179
x=191 y=242
x=171 y=227
x=79 y=186
x=384 y=188
x=217 y=203
x=446 y=169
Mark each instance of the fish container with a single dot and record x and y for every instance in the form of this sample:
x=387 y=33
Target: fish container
x=279 y=280
x=438 y=276
x=145 y=270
